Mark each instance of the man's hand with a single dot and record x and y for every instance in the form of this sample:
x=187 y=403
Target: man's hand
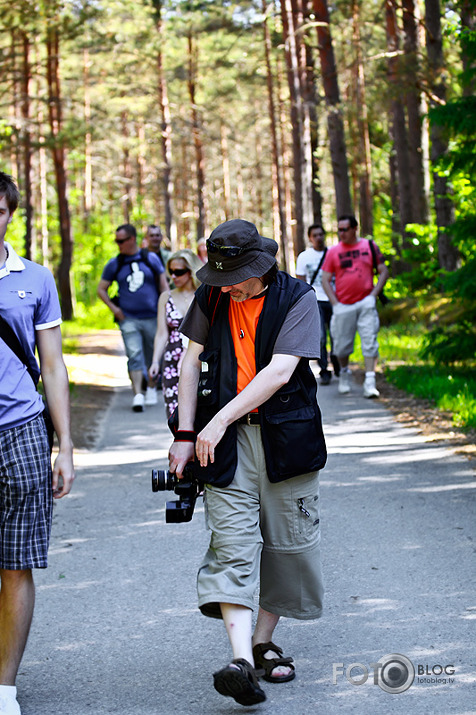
x=63 y=474
x=208 y=439
x=180 y=454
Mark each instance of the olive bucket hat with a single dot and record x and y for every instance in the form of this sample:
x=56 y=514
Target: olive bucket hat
x=237 y=252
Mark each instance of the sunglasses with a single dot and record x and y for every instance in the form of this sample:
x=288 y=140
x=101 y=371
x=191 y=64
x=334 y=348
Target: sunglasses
x=344 y=230
x=227 y=251
x=179 y=272
x=120 y=241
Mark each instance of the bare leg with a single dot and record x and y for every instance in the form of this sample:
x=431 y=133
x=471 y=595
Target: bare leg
x=370 y=364
x=17 y=600
x=237 y=621
x=343 y=361
x=264 y=629
x=136 y=379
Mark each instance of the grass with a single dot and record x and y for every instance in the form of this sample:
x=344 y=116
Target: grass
x=451 y=388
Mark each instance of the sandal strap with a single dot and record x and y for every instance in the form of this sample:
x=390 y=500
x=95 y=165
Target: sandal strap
x=270 y=663
x=246 y=667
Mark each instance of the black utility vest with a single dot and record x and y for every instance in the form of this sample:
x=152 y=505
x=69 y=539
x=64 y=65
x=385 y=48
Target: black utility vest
x=291 y=427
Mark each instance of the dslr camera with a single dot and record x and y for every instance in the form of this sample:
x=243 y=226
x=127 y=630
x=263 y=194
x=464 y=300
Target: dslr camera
x=187 y=489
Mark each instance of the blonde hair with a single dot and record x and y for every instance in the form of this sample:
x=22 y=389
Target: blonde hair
x=190 y=259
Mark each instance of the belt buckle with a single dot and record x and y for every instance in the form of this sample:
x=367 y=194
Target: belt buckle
x=248 y=418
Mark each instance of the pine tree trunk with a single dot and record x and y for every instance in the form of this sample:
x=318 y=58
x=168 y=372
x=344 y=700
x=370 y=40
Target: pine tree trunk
x=335 y=125
x=197 y=139
x=26 y=144
x=279 y=221
x=398 y=125
x=88 y=170
x=414 y=113
x=447 y=252
x=363 y=140
x=166 y=135
x=292 y=67
x=59 y=161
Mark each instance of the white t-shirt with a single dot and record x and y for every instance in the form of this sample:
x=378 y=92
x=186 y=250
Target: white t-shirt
x=306 y=265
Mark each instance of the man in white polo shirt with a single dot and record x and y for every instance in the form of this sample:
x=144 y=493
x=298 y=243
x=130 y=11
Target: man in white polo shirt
x=30 y=318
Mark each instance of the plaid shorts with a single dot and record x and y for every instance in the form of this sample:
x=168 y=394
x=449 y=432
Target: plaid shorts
x=26 y=496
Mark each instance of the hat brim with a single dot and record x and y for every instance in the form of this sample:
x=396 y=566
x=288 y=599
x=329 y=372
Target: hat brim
x=263 y=261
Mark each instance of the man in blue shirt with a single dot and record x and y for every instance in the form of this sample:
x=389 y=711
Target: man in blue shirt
x=140 y=276
x=30 y=307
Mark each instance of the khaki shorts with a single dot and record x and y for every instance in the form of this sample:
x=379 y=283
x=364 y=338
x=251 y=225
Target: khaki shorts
x=262 y=532
x=347 y=320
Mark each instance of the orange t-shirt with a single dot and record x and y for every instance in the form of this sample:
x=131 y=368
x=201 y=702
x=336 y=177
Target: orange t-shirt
x=243 y=319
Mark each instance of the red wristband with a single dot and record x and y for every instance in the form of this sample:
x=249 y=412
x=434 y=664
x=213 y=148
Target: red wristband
x=182 y=435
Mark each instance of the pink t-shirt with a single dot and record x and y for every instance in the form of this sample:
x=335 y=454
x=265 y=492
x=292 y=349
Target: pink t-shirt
x=353 y=269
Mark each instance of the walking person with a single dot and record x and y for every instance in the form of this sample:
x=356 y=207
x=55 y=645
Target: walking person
x=140 y=276
x=30 y=319
x=169 y=343
x=354 y=300
x=247 y=398
x=309 y=269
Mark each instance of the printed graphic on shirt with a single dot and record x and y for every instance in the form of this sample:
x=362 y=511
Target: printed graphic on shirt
x=349 y=260
x=136 y=279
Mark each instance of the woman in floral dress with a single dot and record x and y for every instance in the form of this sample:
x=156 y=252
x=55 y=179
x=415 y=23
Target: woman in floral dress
x=169 y=344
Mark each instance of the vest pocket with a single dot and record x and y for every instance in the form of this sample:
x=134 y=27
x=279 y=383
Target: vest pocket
x=207 y=391
x=295 y=444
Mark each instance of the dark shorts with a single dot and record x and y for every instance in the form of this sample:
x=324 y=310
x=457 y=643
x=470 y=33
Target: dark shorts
x=26 y=496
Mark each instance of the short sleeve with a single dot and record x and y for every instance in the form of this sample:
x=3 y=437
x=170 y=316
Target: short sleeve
x=195 y=324
x=300 y=334
x=110 y=270
x=48 y=311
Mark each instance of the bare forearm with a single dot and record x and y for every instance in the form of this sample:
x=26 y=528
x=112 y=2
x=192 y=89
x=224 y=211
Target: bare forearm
x=326 y=285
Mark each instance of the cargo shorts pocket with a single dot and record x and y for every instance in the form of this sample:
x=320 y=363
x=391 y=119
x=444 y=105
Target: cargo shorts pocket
x=306 y=520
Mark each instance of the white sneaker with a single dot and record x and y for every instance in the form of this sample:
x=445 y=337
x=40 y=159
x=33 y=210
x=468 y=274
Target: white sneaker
x=370 y=389
x=151 y=396
x=9 y=704
x=138 y=402
x=344 y=382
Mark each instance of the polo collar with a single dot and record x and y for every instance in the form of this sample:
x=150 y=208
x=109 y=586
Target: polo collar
x=13 y=263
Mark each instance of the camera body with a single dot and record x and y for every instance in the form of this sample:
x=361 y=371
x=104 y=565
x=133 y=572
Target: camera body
x=187 y=489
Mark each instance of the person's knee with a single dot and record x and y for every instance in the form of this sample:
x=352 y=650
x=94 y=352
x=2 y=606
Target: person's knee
x=15 y=579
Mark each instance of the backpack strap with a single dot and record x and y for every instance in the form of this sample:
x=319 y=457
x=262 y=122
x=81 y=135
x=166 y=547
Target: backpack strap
x=11 y=339
x=374 y=254
x=318 y=267
x=144 y=257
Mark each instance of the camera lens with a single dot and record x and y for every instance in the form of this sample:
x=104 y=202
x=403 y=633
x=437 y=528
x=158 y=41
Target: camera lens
x=162 y=480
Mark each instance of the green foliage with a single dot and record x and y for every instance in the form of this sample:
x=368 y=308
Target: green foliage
x=450 y=343
x=94 y=246
x=453 y=390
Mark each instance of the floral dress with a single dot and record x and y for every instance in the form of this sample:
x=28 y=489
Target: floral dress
x=173 y=354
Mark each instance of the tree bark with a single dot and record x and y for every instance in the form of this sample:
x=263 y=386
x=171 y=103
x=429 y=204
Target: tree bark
x=398 y=128
x=197 y=139
x=26 y=143
x=297 y=128
x=414 y=113
x=59 y=160
x=166 y=135
x=279 y=221
x=335 y=125
x=447 y=252
x=363 y=141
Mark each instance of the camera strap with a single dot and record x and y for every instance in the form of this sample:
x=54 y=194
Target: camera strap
x=182 y=435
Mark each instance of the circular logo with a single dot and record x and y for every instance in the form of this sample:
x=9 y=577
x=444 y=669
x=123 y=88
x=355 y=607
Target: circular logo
x=396 y=674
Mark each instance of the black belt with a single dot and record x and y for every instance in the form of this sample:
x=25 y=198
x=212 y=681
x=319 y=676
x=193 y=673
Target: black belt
x=252 y=418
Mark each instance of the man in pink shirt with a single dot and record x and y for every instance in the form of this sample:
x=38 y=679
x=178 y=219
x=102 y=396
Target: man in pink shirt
x=354 y=300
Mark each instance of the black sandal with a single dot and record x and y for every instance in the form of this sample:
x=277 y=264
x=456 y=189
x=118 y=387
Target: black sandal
x=240 y=683
x=269 y=664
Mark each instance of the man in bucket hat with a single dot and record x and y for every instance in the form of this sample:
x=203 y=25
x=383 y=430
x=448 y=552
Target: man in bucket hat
x=249 y=418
